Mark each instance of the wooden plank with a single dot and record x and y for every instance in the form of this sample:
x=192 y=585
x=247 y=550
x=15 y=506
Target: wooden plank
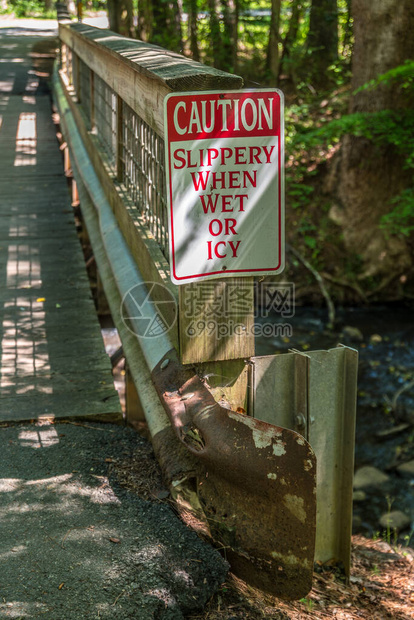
x=82 y=404
x=140 y=73
x=218 y=325
x=228 y=382
x=56 y=383
x=52 y=356
x=43 y=348
x=51 y=315
x=28 y=296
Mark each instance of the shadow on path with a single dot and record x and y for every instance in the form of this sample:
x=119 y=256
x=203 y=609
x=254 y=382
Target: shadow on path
x=73 y=544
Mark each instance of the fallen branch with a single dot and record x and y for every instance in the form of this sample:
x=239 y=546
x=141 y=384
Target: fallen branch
x=344 y=284
x=398 y=393
x=319 y=279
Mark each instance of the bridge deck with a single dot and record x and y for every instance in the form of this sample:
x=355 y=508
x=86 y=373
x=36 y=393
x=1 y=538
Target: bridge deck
x=52 y=357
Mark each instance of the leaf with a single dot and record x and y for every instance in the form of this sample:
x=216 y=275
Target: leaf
x=310 y=242
x=115 y=540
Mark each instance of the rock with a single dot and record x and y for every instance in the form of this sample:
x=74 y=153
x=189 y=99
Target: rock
x=368 y=476
x=354 y=579
x=375 y=339
x=359 y=496
x=406 y=469
x=395 y=520
x=353 y=333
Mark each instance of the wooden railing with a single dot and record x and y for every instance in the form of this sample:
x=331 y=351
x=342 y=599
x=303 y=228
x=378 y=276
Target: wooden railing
x=117 y=87
x=110 y=95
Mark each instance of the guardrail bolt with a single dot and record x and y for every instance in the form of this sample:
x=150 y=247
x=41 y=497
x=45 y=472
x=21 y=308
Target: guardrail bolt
x=300 y=420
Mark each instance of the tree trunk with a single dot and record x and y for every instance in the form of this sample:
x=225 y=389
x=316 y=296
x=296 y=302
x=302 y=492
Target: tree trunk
x=322 y=40
x=285 y=66
x=192 y=28
x=235 y=21
x=216 y=41
x=230 y=35
x=371 y=176
x=120 y=17
x=272 y=59
x=113 y=7
x=215 y=34
x=166 y=26
x=145 y=20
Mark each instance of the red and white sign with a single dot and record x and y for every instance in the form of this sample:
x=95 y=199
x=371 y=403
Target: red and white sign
x=224 y=159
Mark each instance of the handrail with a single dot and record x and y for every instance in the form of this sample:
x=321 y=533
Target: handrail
x=129 y=67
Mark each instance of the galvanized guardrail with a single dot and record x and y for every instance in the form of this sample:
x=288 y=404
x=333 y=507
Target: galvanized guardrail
x=251 y=477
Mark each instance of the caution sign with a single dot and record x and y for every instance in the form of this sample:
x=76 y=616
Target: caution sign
x=224 y=160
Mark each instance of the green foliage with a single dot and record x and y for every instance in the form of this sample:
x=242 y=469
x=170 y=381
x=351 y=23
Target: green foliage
x=308 y=602
x=403 y=76
x=31 y=8
x=400 y=221
x=386 y=129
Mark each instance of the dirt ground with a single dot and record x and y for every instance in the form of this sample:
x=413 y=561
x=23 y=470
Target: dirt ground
x=381 y=585
x=88 y=530
x=76 y=543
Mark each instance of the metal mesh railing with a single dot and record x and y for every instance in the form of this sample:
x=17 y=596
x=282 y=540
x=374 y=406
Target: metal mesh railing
x=105 y=106
x=68 y=68
x=84 y=92
x=143 y=173
x=132 y=149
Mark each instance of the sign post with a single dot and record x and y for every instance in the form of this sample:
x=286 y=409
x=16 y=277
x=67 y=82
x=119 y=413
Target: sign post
x=224 y=159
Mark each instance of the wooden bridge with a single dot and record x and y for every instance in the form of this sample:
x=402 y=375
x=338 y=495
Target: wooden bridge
x=253 y=476
x=52 y=359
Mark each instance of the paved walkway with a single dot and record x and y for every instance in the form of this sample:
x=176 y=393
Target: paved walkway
x=80 y=537
x=52 y=358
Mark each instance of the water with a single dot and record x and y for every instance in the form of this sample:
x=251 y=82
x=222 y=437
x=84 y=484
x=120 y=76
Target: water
x=386 y=365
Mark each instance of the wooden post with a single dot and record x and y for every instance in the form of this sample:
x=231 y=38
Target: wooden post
x=216 y=321
x=76 y=74
x=75 y=194
x=66 y=162
x=134 y=411
x=92 y=98
x=119 y=140
x=62 y=56
x=102 y=306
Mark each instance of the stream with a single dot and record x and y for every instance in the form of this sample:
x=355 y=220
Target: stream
x=384 y=338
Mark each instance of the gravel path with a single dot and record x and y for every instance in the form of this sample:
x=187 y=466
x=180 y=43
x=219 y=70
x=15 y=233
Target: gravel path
x=75 y=544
